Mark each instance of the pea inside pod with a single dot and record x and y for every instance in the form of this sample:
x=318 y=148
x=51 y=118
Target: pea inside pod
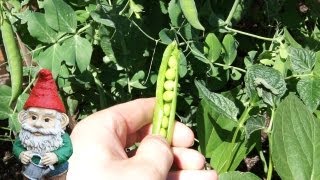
x=166 y=93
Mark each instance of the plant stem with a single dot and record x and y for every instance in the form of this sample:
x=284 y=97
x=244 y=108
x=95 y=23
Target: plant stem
x=5 y=128
x=64 y=38
x=271 y=120
x=83 y=28
x=24 y=91
x=125 y=7
x=242 y=120
x=147 y=35
x=264 y=162
x=249 y=34
x=233 y=9
x=269 y=131
x=270 y=167
x=228 y=66
x=152 y=58
x=298 y=76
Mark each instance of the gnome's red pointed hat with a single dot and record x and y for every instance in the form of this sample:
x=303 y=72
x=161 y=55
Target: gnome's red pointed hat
x=45 y=93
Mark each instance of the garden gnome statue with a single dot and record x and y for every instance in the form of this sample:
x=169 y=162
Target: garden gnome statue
x=42 y=146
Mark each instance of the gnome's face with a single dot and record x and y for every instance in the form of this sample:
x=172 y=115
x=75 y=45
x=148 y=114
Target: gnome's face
x=41 y=118
x=42 y=129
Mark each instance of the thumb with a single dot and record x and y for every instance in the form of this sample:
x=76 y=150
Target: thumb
x=156 y=154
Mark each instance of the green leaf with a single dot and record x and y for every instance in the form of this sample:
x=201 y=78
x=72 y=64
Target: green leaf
x=21 y=101
x=235 y=74
x=14 y=123
x=134 y=82
x=79 y=50
x=302 y=60
x=212 y=128
x=60 y=16
x=254 y=123
x=97 y=17
x=295 y=141
x=183 y=69
x=212 y=47
x=229 y=49
x=51 y=59
x=135 y=8
x=235 y=175
x=190 y=12
x=107 y=49
x=309 y=91
x=166 y=36
x=82 y=15
x=5 y=94
x=38 y=28
x=175 y=13
x=265 y=82
x=5 y=110
x=316 y=69
x=219 y=158
x=198 y=54
x=218 y=102
x=290 y=40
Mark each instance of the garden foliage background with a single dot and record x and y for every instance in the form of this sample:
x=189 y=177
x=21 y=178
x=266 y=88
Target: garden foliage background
x=249 y=75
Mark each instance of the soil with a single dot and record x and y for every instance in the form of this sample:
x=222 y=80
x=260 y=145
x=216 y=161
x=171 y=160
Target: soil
x=10 y=167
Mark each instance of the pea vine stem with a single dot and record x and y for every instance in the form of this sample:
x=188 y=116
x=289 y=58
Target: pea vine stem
x=233 y=9
x=249 y=34
x=242 y=120
x=270 y=166
x=142 y=31
x=269 y=131
x=232 y=67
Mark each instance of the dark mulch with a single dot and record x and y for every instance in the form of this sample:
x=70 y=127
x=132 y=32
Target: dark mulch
x=10 y=167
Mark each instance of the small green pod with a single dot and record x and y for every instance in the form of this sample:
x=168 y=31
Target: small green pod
x=13 y=57
x=166 y=93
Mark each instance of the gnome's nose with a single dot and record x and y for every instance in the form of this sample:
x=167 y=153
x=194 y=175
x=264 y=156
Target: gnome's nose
x=38 y=123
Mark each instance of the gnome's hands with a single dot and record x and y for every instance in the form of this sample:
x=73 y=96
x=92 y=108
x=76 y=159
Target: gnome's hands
x=25 y=157
x=49 y=159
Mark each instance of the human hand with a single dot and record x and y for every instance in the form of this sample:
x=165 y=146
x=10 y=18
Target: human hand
x=25 y=157
x=99 y=143
x=49 y=159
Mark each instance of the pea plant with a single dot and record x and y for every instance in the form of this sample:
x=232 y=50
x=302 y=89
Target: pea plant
x=248 y=72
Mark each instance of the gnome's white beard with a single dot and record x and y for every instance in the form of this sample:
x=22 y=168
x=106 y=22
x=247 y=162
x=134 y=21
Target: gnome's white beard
x=48 y=141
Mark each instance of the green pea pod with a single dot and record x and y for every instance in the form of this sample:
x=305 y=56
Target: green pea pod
x=166 y=96
x=13 y=57
x=189 y=10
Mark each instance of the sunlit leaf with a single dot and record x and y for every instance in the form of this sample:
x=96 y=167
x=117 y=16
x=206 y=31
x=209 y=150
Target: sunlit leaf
x=265 y=82
x=295 y=141
x=212 y=47
x=302 y=60
x=309 y=91
x=38 y=28
x=218 y=102
x=234 y=175
x=60 y=16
